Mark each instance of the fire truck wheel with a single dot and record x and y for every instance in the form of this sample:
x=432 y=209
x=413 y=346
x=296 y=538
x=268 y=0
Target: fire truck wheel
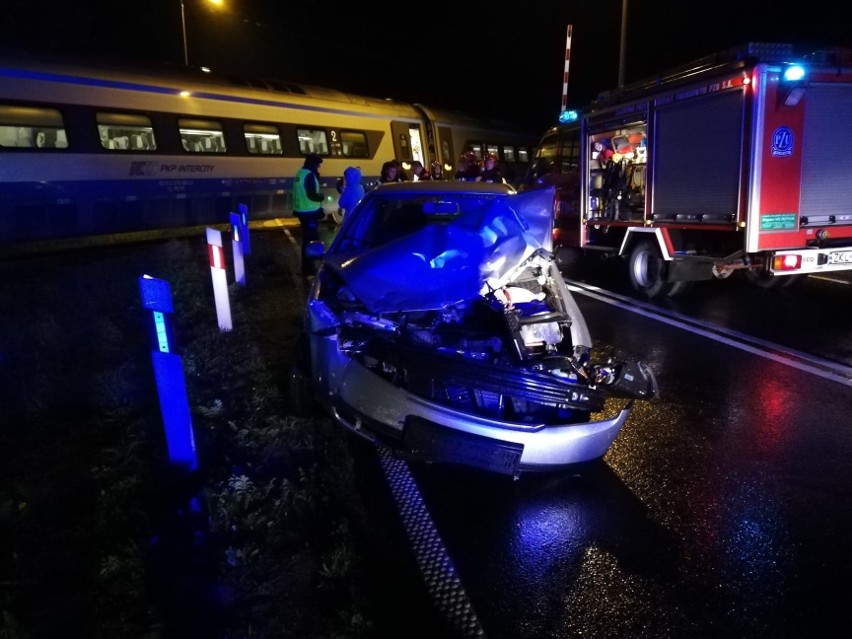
x=647 y=271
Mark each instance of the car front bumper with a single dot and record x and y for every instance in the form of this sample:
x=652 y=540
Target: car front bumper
x=374 y=408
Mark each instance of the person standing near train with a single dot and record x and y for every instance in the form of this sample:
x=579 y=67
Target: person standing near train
x=490 y=172
x=307 y=206
x=353 y=190
x=418 y=171
x=390 y=172
x=468 y=169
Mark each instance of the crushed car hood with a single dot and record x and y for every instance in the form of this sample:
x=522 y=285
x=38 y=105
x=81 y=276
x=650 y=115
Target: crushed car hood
x=445 y=263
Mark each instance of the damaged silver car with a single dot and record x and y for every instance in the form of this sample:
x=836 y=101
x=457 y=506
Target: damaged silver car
x=439 y=324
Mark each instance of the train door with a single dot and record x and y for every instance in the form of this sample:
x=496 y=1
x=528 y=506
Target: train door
x=447 y=154
x=417 y=152
x=408 y=142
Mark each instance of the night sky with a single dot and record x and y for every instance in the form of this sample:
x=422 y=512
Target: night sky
x=474 y=57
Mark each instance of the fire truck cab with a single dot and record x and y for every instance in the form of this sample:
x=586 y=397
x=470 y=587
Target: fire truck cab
x=730 y=163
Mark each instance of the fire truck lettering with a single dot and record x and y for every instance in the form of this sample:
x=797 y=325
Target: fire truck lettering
x=633 y=108
x=685 y=95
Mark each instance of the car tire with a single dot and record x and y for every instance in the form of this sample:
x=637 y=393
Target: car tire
x=300 y=393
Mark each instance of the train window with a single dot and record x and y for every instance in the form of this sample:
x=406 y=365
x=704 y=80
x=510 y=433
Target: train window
x=477 y=150
x=312 y=141
x=201 y=136
x=509 y=153
x=31 y=127
x=523 y=154
x=263 y=139
x=126 y=132
x=492 y=148
x=354 y=144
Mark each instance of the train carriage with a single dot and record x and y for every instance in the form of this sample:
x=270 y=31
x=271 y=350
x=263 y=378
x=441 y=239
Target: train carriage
x=90 y=151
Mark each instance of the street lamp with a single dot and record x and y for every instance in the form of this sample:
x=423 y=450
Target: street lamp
x=183 y=29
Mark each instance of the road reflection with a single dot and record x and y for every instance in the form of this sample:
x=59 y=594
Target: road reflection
x=519 y=545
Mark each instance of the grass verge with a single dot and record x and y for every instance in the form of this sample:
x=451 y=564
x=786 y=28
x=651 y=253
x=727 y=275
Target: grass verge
x=100 y=536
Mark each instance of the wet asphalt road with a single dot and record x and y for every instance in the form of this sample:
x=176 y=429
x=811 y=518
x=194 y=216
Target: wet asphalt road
x=721 y=510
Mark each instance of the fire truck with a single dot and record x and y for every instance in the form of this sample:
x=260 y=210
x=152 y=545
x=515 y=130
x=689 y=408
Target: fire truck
x=734 y=163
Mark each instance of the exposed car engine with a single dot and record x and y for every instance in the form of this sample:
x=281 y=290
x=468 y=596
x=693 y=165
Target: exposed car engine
x=506 y=354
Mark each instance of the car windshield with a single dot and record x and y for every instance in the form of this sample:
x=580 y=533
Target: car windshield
x=383 y=219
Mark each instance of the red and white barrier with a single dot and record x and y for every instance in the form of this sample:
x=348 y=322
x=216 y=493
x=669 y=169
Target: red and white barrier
x=567 y=63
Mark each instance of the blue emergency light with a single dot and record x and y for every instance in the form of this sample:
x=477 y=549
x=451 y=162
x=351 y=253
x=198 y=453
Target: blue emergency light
x=792 y=88
x=568 y=116
x=794 y=73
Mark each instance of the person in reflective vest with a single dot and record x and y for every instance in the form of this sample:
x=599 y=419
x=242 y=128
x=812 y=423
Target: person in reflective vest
x=307 y=206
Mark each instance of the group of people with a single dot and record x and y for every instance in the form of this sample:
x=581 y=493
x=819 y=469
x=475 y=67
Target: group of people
x=470 y=170
x=392 y=171
x=308 y=198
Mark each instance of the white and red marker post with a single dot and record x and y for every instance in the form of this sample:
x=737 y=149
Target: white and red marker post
x=220 y=279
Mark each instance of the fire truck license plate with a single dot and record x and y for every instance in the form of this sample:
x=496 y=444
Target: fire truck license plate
x=840 y=257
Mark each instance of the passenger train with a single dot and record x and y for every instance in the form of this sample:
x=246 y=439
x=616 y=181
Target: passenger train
x=93 y=151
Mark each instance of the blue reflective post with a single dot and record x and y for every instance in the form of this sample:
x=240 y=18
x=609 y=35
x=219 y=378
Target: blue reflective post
x=245 y=229
x=168 y=373
x=237 y=247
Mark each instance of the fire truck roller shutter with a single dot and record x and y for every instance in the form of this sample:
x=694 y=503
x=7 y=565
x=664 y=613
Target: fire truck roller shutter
x=697 y=158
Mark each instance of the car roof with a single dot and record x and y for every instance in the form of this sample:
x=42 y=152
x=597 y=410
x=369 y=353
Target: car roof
x=440 y=186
